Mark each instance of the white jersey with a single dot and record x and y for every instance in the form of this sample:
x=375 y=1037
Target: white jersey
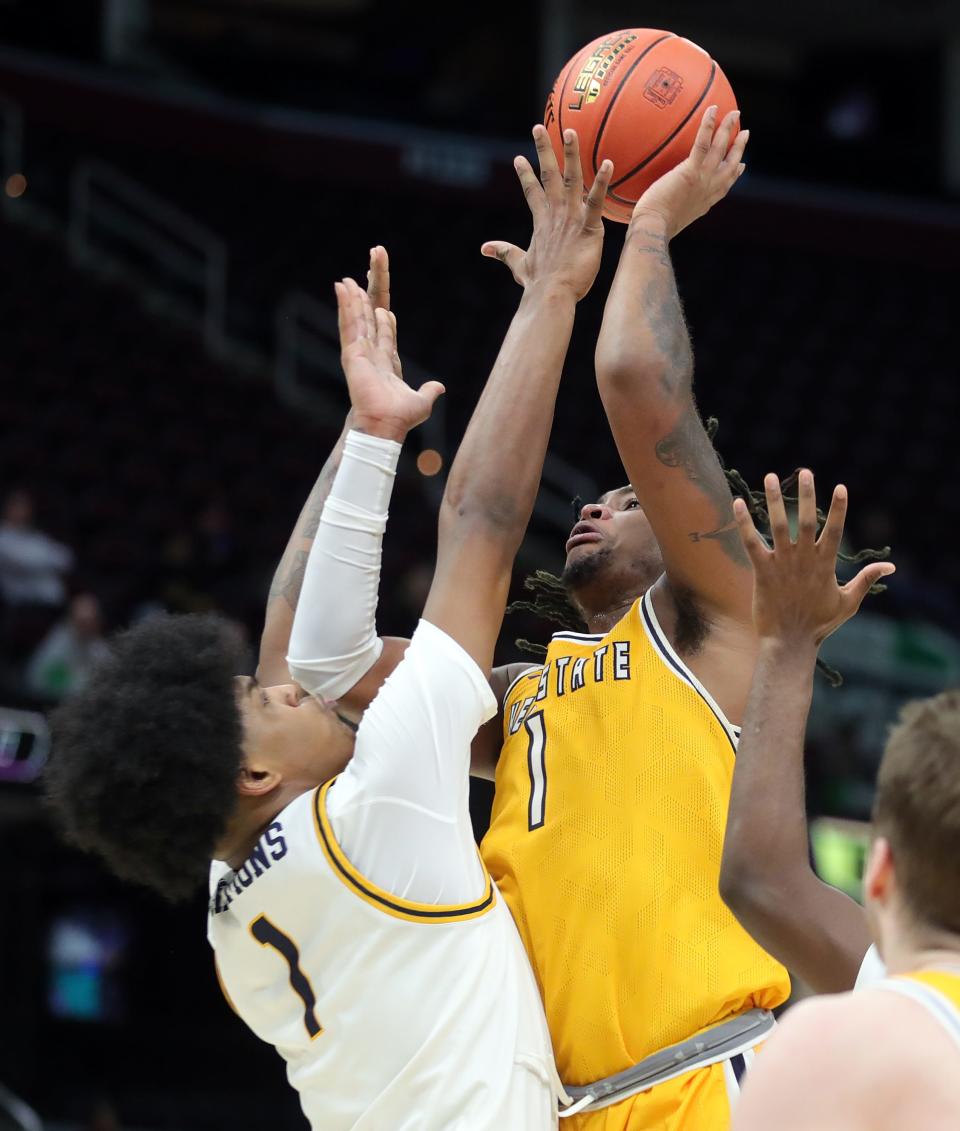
x=394 y=1006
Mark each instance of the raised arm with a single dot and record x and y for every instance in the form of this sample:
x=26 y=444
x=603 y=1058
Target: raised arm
x=494 y=479
x=766 y=879
x=333 y=642
x=644 y=366
x=288 y=577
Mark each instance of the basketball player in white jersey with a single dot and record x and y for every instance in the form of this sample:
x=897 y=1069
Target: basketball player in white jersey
x=766 y=879
x=354 y=925
x=888 y=1057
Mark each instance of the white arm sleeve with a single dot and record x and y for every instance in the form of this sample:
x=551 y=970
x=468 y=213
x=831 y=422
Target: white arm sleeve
x=400 y=810
x=333 y=641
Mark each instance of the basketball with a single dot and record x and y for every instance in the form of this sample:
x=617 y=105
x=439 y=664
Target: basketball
x=636 y=97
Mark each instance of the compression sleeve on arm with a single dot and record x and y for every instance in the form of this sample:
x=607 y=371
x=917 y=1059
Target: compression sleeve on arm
x=333 y=641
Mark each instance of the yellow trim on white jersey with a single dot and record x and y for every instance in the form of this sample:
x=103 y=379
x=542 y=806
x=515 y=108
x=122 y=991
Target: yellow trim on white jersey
x=385 y=901
x=223 y=989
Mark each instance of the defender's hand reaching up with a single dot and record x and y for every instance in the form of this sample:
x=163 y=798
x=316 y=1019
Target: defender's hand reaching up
x=378 y=278
x=796 y=597
x=694 y=186
x=567 y=227
x=383 y=404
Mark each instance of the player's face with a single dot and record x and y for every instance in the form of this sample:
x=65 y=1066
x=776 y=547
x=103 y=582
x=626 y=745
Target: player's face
x=613 y=536
x=301 y=737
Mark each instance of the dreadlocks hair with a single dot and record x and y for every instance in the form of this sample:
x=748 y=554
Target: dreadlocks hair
x=145 y=758
x=551 y=601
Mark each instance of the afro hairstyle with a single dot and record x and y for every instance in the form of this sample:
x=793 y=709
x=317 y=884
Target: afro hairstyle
x=145 y=758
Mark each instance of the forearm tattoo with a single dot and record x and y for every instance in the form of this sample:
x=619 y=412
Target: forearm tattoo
x=288 y=580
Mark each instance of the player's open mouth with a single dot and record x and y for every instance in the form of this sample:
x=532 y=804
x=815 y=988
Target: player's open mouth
x=582 y=533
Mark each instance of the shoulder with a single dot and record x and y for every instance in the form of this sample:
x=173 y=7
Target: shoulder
x=815 y=1039
x=802 y=1075
x=830 y=1021
x=813 y=1029
x=503 y=680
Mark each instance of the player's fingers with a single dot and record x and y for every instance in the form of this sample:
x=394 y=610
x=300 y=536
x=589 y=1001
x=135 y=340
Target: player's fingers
x=734 y=156
x=365 y=306
x=345 y=325
x=829 y=540
x=721 y=140
x=572 y=172
x=749 y=536
x=508 y=254
x=532 y=189
x=431 y=390
x=378 y=278
x=386 y=334
x=806 y=508
x=352 y=312
x=395 y=360
x=549 y=170
x=858 y=587
x=701 y=143
x=593 y=205
x=779 y=527
x=362 y=312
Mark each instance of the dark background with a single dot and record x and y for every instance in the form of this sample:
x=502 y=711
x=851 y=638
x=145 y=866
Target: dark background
x=820 y=298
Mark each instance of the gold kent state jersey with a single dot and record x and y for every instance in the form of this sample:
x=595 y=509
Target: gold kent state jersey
x=607 y=830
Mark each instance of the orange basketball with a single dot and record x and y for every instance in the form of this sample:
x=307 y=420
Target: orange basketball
x=637 y=97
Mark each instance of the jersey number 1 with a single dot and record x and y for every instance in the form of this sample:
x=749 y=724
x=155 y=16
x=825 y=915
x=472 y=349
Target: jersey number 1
x=267 y=934
x=537 y=767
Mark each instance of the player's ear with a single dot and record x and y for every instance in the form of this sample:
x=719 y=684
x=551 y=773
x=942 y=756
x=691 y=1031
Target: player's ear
x=256 y=780
x=879 y=879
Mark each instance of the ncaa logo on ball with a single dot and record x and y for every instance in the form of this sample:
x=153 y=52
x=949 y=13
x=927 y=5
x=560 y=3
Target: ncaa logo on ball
x=662 y=87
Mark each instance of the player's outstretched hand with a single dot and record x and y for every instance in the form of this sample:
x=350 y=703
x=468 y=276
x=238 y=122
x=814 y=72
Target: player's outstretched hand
x=694 y=186
x=567 y=226
x=796 y=597
x=383 y=404
x=378 y=278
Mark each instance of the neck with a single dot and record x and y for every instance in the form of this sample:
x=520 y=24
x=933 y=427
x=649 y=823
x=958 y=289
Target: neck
x=249 y=822
x=604 y=595
x=602 y=620
x=921 y=948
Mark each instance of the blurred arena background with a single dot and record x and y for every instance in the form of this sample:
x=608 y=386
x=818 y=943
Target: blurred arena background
x=183 y=180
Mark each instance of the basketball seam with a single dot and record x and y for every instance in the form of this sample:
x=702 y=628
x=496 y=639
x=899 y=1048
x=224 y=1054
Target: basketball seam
x=663 y=145
x=616 y=94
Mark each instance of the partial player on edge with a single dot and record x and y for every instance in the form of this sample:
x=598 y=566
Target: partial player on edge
x=884 y=1058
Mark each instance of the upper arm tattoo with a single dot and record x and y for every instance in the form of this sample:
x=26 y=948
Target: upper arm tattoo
x=689 y=448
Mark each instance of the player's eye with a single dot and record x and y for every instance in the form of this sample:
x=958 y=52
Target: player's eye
x=265 y=699
x=632 y=504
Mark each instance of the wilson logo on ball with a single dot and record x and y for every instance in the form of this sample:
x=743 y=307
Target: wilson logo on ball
x=662 y=87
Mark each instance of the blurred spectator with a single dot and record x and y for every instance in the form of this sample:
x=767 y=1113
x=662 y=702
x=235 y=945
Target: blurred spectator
x=62 y=662
x=32 y=564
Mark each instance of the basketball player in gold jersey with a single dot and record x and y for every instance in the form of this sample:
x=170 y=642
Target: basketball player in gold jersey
x=617 y=754
x=886 y=1058
x=614 y=778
